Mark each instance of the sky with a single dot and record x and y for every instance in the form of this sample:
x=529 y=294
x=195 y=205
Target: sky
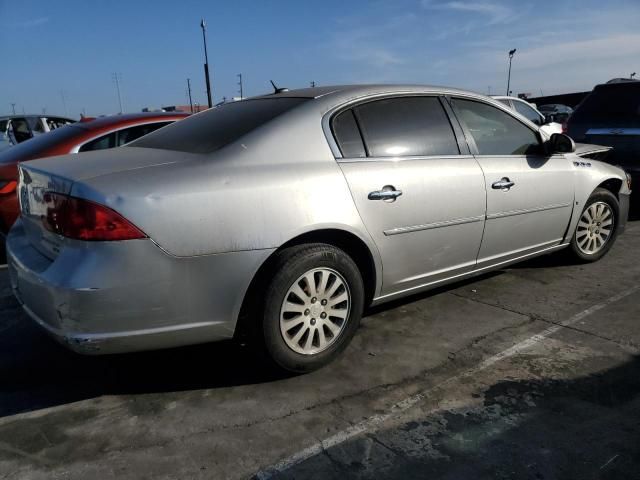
x=61 y=55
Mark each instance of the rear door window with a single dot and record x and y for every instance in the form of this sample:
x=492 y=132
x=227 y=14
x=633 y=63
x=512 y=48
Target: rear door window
x=133 y=133
x=100 y=143
x=406 y=126
x=348 y=136
x=494 y=131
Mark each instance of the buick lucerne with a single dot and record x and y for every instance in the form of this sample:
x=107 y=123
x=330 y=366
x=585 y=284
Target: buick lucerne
x=282 y=216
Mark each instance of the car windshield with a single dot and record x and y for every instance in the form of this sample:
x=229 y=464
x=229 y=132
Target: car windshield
x=211 y=130
x=40 y=145
x=611 y=103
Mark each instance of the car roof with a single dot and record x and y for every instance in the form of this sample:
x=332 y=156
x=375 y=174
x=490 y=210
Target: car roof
x=129 y=118
x=9 y=117
x=332 y=96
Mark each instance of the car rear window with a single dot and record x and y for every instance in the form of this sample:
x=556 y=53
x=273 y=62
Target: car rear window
x=213 y=129
x=615 y=103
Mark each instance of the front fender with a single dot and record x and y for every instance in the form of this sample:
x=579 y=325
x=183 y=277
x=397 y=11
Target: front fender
x=589 y=175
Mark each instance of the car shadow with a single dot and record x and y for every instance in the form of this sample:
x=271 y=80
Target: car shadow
x=539 y=428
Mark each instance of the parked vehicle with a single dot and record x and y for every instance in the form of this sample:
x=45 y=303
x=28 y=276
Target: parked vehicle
x=528 y=111
x=610 y=115
x=16 y=129
x=280 y=217
x=105 y=132
x=556 y=112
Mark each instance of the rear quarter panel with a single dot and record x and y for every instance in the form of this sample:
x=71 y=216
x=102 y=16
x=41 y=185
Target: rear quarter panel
x=270 y=186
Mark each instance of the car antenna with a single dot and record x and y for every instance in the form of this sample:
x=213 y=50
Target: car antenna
x=278 y=90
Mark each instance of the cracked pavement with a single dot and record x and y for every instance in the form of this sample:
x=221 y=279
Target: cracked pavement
x=567 y=406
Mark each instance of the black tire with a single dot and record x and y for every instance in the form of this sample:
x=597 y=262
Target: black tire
x=604 y=196
x=290 y=264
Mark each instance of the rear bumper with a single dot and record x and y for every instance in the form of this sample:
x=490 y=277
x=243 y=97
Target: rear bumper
x=114 y=297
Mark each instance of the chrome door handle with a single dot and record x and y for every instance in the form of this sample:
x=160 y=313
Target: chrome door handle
x=503 y=184
x=388 y=192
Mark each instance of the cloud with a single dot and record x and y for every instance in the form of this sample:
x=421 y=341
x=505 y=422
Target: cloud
x=35 y=22
x=495 y=12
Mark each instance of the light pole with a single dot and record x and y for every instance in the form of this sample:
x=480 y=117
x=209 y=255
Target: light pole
x=117 y=78
x=511 y=54
x=240 y=84
x=632 y=75
x=206 y=61
x=189 y=90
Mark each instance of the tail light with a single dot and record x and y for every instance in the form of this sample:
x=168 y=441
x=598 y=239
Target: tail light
x=564 y=127
x=82 y=219
x=7 y=186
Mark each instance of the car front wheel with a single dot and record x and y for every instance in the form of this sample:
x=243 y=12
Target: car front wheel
x=597 y=227
x=313 y=306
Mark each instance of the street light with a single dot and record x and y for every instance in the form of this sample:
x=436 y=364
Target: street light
x=206 y=61
x=511 y=54
x=632 y=75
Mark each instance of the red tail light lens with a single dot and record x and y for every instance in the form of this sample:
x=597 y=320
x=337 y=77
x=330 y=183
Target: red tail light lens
x=564 y=127
x=82 y=219
x=7 y=186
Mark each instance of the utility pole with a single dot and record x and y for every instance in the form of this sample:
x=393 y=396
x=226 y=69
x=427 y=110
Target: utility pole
x=511 y=54
x=189 y=90
x=240 y=84
x=13 y=107
x=203 y=25
x=117 y=78
x=63 y=96
x=489 y=90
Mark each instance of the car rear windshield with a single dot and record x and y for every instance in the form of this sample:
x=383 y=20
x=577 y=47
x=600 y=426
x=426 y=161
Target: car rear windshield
x=211 y=130
x=40 y=145
x=611 y=103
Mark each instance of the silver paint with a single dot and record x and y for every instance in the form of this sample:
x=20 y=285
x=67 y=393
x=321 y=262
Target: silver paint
x=214 y=219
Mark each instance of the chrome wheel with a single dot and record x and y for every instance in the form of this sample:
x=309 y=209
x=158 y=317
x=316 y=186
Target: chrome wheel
x=315 y=311
x=594 y=228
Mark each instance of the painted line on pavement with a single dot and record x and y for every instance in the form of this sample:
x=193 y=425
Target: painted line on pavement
x=371 y=423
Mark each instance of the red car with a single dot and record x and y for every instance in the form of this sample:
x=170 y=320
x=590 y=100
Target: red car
x=99 y=134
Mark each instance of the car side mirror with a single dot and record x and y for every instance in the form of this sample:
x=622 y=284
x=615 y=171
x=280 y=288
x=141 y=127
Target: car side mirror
x=561 y=143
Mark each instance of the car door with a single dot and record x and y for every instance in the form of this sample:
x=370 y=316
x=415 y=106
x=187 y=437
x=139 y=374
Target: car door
x=420 y=196
x=529 y=193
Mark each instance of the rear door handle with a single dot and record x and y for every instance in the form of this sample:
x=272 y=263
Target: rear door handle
x=503 y=184
x=388 y=192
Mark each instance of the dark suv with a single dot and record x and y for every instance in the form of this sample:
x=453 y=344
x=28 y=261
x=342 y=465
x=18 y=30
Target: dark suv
x=610 y=115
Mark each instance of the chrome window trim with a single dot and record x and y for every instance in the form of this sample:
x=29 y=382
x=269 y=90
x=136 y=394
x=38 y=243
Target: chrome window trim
x=402 y=158
x=76 y=148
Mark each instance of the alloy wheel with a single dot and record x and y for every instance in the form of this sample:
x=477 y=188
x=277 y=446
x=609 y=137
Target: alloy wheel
x=315 y=311
x=594 y=228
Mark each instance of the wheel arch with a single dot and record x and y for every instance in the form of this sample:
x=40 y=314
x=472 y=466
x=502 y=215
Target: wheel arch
x=349 y=242
x=613 y=185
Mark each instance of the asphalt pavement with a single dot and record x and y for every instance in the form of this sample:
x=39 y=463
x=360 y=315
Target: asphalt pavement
x=528 y=372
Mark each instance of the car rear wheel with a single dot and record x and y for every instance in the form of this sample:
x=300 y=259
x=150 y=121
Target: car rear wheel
x=596 y=229
x=313 y=306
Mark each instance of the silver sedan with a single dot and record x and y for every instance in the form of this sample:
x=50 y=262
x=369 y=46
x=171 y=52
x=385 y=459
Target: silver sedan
x=279 y=218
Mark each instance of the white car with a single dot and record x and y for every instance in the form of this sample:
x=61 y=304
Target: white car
x=529 y=112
